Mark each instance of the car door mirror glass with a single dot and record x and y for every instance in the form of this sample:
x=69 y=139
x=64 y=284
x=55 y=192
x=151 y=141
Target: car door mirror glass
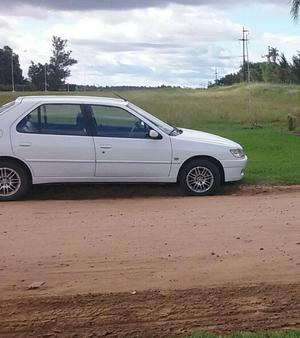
x=154 y=134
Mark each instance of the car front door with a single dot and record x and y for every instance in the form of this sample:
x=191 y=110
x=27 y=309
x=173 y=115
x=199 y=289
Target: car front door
x=53 y=139
x=124 y=149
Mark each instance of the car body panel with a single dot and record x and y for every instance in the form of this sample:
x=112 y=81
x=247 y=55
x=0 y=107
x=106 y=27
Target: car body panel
x=56 y=155
x=66 y=158
x=138 y=158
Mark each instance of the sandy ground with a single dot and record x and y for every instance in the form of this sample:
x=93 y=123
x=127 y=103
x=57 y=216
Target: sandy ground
x=173 y=264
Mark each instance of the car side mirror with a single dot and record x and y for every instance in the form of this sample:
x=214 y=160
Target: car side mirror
x=154 y=134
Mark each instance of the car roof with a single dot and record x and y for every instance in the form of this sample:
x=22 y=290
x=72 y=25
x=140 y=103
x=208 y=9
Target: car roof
x=72 y=99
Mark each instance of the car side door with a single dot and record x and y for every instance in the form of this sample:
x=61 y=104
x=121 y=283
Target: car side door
x=124 y=149
x=54 y=140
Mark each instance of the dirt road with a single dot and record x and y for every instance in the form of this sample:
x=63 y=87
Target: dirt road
x=227 y=254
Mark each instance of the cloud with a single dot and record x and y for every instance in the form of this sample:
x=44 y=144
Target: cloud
x=4 y=24
x=119 y=46
x=173 y=45
x=7 y=34
x=149 y=28
x=177 y=45
x=282 y=39
x=153 y=42
x=89 y=5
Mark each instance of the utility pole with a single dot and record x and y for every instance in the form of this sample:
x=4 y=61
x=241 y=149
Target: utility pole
x=216 y=76
x=12 y=72
x=248 y=62
x=245 y=42
x=45 y=79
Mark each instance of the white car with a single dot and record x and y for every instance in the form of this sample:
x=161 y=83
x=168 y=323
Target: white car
x=53 y=139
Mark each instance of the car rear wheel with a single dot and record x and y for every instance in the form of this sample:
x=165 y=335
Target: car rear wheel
x=199 y=178
x=14 y=181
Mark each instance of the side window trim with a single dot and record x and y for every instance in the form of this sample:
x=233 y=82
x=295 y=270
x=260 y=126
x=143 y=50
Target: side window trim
x=88 y=114
x=39 y=119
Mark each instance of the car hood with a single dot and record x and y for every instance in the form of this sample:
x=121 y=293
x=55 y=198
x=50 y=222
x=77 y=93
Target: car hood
x=200 y=136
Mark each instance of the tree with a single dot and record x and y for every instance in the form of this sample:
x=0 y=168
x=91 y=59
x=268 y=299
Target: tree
x=36 y=73
x=270 y=72
x=273 y=54
x=6 y=57
x=295 y=9
x=57 y=69
x=296 y=67
x=285 y=70
x=255 y=72
x=230 y=79
x=60 y=62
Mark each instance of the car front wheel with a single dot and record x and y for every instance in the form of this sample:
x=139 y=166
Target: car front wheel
x=199 y=178
x=14 y=181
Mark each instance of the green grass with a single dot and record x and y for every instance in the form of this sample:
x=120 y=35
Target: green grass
x=274 y=155
x=282 y=334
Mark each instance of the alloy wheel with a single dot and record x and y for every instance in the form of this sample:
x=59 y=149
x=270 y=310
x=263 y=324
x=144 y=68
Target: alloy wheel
x=10 y=182
x=200 y=179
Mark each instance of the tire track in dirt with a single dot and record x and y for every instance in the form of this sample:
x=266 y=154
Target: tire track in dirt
x=154 y=313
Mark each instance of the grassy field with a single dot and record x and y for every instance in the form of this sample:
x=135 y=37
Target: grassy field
x=283 y=334
x=274 y=154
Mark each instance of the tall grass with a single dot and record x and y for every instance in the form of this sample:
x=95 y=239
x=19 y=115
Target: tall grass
x=269 y=103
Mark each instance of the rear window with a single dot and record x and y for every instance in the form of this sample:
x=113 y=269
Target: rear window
x=7 y=106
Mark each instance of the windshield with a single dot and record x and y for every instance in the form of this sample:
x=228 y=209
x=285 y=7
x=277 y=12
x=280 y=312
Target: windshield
x=163 y=126
x=6 y=106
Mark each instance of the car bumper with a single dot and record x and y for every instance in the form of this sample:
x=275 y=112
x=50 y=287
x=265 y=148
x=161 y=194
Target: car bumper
x=234 y=169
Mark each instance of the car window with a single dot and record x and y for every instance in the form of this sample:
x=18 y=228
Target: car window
x=56 y=119
x=163 y=126
x=117 y=122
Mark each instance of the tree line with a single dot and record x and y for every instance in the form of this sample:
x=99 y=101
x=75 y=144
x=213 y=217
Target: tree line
x=49 y=76
x=277 y=69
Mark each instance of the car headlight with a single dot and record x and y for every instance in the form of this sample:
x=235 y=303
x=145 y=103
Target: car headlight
x=238 y=153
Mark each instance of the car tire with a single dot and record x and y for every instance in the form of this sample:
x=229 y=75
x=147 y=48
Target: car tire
x=199 y=177
x=15 y=181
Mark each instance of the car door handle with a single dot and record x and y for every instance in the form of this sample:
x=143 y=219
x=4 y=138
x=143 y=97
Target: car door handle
x=105 y=146
x=25 y=144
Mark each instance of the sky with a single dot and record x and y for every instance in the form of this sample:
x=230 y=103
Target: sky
x=148 y=42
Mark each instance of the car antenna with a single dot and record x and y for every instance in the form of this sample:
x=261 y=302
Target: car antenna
x=121 y=97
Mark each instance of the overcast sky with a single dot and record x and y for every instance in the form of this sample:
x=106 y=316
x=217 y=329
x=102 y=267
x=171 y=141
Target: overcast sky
x=147 y=42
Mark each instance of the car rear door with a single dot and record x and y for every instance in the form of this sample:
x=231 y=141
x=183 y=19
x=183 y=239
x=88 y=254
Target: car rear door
x=54 y=140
